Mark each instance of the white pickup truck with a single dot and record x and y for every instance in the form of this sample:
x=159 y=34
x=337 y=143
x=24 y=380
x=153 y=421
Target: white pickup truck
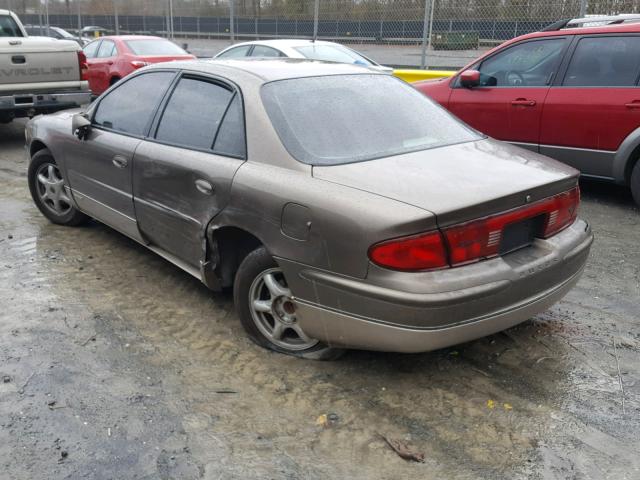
x=38 y=74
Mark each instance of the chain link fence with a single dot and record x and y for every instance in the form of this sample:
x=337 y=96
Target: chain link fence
x=431 y=26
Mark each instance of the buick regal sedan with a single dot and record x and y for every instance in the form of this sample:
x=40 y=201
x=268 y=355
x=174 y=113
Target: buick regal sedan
x=344 y=208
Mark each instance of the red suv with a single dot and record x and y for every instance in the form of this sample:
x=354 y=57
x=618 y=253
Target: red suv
x=570 y=92
x=114 y=57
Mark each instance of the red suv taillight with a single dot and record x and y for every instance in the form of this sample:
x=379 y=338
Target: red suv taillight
x=476 y=240
x=83 y=66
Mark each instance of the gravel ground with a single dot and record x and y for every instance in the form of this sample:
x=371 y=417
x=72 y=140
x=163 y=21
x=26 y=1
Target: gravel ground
x=116 y=365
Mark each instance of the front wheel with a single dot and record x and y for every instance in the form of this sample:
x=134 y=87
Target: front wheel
x=47 y=190
x=267 y=309
x=635 y=183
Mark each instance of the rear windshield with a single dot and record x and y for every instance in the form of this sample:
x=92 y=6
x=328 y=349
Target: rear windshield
x=154 y=47
x=340 y=119
x=9 y=27
x=331 y=53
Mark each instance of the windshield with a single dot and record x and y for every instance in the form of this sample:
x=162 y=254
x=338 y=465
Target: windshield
x=341 y=119
x=154 y=47
x=333 y=53
x=9 y=27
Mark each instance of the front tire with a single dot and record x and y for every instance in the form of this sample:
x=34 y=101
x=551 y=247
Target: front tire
x=634 y=183
x=47 y=190
x=267 y=309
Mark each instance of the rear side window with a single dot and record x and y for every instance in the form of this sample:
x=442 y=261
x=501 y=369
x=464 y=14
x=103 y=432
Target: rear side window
x=262 y=51
x=529 y=64
x=237 y=52
x=107 y=49
x=194 y=114
x=129 y=107
x=8 y=27
x=91 y=50
x=604 y=62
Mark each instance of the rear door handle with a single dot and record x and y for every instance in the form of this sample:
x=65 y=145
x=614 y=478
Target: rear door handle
x=204 y=187
x=523 y=102
x=119 y=161
x=634 y=104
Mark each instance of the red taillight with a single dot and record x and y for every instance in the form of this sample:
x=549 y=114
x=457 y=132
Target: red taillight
x=475 y=240
x=419 y=252
x=83 y=66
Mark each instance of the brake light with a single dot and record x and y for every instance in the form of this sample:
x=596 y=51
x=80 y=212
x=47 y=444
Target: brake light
x=476 y=240
x=83 y=66
x=138 y=64
x=425 y=251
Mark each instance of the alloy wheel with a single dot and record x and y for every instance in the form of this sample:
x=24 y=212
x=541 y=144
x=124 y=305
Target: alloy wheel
x=273 y=310
x=50 y=188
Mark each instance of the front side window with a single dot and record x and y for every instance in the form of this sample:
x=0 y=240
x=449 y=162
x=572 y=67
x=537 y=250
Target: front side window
x=9 y=27
x=331 y=53
x=340 y=119
x=107 y=49
x=194 y=113
x=262 y=51
x=604 y=62
x=91 y=50
x=128 y=108
x=237 y=52
x=529 y=64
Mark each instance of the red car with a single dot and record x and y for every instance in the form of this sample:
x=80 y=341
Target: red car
x=569 y=92
x=111 y=58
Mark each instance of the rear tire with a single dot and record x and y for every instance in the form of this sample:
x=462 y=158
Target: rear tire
x=634 y=183
x=267 y=309
x=47 y=190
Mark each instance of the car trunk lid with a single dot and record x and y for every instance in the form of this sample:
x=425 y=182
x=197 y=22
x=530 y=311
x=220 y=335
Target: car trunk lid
x=460 y=182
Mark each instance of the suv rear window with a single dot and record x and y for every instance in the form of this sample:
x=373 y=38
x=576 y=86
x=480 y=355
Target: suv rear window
x=339 y=119
x=9 y=27
x=604 y=62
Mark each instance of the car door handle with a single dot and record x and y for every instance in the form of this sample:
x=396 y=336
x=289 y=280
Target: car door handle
x=204 y=187
x=523 y=102
x=634 y=104
x=119 y=161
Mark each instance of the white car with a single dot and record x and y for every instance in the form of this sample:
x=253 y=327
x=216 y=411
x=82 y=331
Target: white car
x=292 y=48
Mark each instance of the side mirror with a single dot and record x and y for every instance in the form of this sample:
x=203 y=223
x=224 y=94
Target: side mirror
x=470 y=78
x=80 y=125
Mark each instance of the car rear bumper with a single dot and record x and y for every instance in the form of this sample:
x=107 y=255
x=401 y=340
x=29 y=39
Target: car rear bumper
x=490 y=296
x=28 y=104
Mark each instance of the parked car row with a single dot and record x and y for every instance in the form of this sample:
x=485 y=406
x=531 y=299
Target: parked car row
x=345 y=207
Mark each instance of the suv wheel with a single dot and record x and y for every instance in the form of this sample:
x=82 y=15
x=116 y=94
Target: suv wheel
x=47 y=190
x=267 y=309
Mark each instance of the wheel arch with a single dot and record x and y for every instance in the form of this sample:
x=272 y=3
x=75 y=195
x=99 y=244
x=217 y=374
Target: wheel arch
x=626 y=157
x=36 y=146
x=227 y=245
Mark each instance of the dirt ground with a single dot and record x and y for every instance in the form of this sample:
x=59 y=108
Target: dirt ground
x=114 y=364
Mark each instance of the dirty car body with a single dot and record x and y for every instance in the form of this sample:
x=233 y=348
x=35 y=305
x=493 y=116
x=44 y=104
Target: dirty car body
x=390 y=233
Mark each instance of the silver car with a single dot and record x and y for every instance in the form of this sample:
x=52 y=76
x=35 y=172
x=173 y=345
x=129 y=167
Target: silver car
x=345 y=208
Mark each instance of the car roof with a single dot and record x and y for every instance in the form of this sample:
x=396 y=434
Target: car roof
x=268 y=69
x=131 y=37
x=629 y=27
x=286 y=43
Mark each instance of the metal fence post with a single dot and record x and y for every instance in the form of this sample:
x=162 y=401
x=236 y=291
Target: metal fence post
x=79 y=19
x=316 y=15
x=171 y=19
x=426 y=31
x=115 y=16
x=231 y=20
x=583 y=8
